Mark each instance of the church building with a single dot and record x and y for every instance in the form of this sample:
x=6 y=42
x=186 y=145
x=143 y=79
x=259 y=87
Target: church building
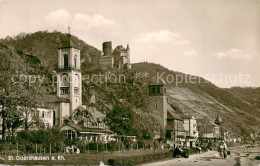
x=68 y=81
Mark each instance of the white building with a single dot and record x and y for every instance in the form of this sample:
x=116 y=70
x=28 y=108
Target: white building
x=190 y=125
x=47 y=116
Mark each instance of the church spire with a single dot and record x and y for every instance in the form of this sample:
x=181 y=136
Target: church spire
x=218 y=120
x=69 y=35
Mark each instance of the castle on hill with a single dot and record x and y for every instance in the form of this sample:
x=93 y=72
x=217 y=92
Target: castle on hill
x=118 y=58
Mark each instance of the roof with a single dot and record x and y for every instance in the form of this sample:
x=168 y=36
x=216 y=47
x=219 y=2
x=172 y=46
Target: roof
x=173 y=116
x=61 y=100
x=96 y=114
x=218 y=119
x=155 y=81
x=81 y=128
x=68 y=43
x=101 y=102
x=203 y=122
x=188 y=117
x=119 y=49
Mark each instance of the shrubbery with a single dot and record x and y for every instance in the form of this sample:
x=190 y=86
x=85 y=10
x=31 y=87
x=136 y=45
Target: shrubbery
x=45 y=139
x=140 y=159
x=257 y=157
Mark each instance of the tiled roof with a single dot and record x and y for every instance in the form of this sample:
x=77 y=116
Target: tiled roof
x=80 y=128
x=173 y=116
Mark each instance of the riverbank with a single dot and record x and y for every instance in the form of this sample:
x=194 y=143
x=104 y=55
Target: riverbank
x=240 y=156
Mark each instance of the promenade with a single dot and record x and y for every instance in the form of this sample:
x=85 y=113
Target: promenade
x=240 y=156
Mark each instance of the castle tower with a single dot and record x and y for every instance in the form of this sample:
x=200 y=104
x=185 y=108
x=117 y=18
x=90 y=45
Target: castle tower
x=69 y=80
x=107 y=60
x=158 y=103
x=107 y=48
x=128 y=57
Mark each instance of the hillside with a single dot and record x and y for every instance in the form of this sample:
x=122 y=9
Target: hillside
x=236 y=106
x=45 y=45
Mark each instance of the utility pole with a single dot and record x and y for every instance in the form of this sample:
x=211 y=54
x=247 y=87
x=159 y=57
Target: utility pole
x=50 y=148
x=17 y=149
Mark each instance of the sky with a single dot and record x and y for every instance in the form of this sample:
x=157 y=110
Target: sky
x=216 y=39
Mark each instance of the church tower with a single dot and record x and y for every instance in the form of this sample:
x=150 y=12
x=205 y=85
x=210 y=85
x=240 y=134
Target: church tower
x=158 y=103
x=69 y=80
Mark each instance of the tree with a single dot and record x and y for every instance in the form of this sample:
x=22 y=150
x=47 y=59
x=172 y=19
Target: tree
x=18 y=98
x=122 y=120
x=14 y=119
x=9 y=93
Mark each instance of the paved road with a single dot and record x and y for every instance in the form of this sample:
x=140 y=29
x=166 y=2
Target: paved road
x=238 y=157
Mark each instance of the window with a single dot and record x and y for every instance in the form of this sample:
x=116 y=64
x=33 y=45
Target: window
x=65 y=79
x=70 y=134
x=43 y=114
x=75 y=61
x=65 y=90
x=153 y=90
x=158 y=89
x=49 y=115
x=76 y=90
x=77 y=79
x=66 y=61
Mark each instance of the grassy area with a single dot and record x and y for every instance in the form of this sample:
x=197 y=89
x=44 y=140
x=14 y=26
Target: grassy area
x=74 y=159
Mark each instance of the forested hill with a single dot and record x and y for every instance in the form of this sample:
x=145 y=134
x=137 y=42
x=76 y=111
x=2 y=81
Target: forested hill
x=238 y=107
x=45 y=46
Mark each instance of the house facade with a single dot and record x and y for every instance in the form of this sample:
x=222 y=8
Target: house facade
x=175 y=133
x=208 y=130
x=191 y=128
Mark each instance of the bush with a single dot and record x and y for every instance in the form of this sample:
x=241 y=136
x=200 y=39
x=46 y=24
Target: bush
x=28 y=139
x=257 y=157
x=204 y=149
x=140 y=159
x=191 y=151
x=128 y=143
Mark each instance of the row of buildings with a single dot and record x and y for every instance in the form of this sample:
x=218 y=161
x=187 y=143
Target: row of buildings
x=69 y=96
x=179 y=128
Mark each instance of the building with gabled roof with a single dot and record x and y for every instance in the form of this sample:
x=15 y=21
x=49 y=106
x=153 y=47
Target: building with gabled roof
x=208 y=129
x=87 y=134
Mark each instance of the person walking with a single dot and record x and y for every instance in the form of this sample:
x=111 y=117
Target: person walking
x=224 y=149
x=220 y=150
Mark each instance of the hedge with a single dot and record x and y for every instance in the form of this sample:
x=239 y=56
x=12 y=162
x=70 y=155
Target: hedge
x=140 y=159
